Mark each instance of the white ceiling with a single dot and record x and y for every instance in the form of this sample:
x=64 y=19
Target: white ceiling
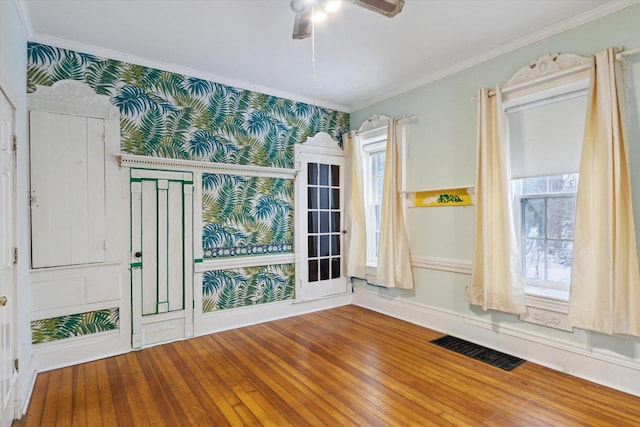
x=361 y=57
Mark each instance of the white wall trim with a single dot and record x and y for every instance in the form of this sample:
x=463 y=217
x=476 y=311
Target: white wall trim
x=75 y=309
x=591 y=15
x=26 y=386
x=443 y=264
x=133 y=161
x=241 y=262
x=73 y=351
x=25 y=18
x=224 y=320
x=581 y=360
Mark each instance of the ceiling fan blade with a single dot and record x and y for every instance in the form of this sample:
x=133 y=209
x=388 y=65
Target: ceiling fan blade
x=302 y=25
x=389 y=8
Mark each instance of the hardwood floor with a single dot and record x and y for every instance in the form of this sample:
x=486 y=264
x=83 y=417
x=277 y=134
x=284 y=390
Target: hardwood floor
x=340 y=367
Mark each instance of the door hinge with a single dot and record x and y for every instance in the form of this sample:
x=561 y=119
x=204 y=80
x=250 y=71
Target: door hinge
x=15 y=255
x=15 y=143
x=16 y=364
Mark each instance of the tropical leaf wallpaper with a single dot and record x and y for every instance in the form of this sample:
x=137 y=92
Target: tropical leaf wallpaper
x=74 y=325
x=224 y=289
x=246 y=215
x=165 y=114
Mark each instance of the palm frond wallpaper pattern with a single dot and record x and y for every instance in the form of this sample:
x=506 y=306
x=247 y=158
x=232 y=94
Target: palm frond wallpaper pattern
x=74 y=325
x=165 y=114
x=240 y=287
x=246 y=215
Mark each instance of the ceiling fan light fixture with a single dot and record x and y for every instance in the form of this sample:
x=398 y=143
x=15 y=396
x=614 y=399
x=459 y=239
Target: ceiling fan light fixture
x=308 y=12
x=331 y=6
x=318 y=15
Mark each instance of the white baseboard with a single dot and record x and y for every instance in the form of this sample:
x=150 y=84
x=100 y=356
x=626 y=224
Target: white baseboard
x=72 y=351
x=231 y=319
x=596 y=365
x=27 y=382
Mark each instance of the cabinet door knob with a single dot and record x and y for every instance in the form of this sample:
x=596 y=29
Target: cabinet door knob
x=137 y=254
x=3 y=301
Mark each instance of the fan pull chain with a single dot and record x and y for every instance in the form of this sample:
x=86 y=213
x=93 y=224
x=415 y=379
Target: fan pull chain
x=313 y=56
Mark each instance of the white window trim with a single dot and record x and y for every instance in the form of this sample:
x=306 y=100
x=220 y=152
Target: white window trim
x=536 y=296
x=373 y=141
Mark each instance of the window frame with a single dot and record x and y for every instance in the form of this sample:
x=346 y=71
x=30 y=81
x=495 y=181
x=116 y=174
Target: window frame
x=537 y=286
x=374 y=143
x=541 y=293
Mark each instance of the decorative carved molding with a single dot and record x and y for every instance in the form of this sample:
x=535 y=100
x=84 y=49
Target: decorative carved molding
x=322 y=140
x=73 y=94
x=374 y=122
x=321 y=143
x=548 y=66
x=133 y=161
x=548 y=318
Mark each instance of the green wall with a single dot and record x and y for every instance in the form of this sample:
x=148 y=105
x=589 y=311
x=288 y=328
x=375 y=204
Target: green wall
x=442 y=154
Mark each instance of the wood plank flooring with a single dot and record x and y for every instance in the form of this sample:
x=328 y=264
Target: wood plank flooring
x=340 y=367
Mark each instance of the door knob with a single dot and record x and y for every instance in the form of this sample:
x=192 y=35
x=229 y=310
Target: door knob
x=137 y=254
x=3 y=301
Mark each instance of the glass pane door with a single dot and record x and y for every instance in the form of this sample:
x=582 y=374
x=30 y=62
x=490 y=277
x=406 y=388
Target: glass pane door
x=323 y=221
x=319 y=239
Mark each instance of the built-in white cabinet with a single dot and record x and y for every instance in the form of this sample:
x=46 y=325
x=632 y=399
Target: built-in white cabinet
x=80 y=225
x=68 y=215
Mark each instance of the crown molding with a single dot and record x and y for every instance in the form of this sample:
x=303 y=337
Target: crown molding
x=589 y=16
x=174 y=68
x=25 y=17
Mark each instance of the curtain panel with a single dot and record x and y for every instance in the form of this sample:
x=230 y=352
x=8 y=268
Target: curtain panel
x=496 y=279
x=394 y=257
x=605 y=283
x=354 y=215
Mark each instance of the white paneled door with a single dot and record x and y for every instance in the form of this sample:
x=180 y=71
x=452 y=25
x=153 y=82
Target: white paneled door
x=8 y=372
x=161 y=256
x=319 y=236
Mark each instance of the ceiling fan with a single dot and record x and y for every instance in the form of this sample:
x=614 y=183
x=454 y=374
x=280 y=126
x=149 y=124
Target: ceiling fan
x=304 y=10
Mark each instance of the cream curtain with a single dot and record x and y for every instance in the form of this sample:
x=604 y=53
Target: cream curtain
x=496 y=280
x=394 y=258
x=605 y=284
x=354 y=216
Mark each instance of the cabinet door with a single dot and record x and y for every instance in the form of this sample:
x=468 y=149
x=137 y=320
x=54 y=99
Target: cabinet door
x=68 y=209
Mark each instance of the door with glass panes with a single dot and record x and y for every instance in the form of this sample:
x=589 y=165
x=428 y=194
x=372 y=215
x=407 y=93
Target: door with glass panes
x=319 y=205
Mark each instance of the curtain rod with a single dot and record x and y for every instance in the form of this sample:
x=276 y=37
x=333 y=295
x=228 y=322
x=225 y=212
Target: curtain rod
x=407 y=118
x=624 y=53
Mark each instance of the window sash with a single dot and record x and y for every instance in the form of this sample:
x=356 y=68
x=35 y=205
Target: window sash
x=543 y=238
x=373 y=181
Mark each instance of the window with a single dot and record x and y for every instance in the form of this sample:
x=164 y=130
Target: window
x=546 y=222
x=373 y=148
x=545 y=141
